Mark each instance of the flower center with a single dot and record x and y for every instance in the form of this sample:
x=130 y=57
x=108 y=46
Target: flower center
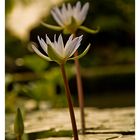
x=72 y=27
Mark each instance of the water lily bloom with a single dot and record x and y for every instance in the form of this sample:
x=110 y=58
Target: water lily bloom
x=60 y=53
x=68 y=15
x=56 y=51
x=70 y=18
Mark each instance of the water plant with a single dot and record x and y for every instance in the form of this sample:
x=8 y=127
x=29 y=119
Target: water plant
x=70 y=19
x=60 y=53
x=18 y=125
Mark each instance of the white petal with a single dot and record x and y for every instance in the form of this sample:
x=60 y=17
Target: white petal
x=54 y=37
x=77 y=45
x=48 y=40
x=57 y=18
x=69 y=41
x=64 y=8
x=57 y=46
x=53 y=45
x=73 y=46
x=57 y=10
x=69 y=7
x=60 y=14
x=76 y=10
x=55 y=42
x=40 y=54
x=69 y=12
x=84 y=11
x=61 y=45
x=43 y=44
x=64 y=12
x=78 y=6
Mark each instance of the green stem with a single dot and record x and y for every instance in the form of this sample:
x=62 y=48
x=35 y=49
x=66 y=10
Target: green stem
x=68 y=94
x=80 y=91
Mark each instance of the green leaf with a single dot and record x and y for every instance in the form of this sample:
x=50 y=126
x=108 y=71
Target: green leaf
x=18 y=124
x=82 y=54
x=53 y=27
x=88 y=30
x=54 y=56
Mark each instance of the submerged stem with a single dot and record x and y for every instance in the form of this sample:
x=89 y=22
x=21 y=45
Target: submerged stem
x=68 y=94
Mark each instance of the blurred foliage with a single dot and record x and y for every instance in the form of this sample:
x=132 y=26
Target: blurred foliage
x=8 y=5
x=28 y=76
x=35 y=63
x=49 y=87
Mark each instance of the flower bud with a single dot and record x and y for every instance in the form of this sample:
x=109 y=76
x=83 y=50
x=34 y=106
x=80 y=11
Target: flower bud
x=18 y=124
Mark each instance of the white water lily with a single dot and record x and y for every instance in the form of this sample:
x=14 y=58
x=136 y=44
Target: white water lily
x=69 y=17
x=64 y=16
x=56 y=51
